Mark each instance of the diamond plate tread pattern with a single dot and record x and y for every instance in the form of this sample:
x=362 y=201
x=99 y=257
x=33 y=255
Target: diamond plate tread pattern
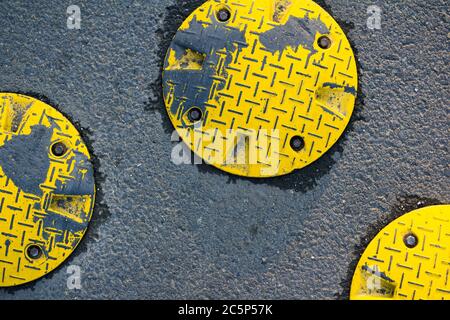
x=421 y=272
x=261 y=79
x=45 y=200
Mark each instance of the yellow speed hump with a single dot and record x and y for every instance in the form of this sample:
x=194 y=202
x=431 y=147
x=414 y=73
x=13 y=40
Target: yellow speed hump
x=47 y=189
x=260 y=88
x=408 y=260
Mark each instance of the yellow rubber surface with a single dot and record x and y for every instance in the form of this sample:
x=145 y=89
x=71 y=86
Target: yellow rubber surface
x=392 y=268
x=47 y=189
x=260 y=88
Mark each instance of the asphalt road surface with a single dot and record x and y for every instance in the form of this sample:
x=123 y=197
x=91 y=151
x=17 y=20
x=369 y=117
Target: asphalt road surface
x=164 y=231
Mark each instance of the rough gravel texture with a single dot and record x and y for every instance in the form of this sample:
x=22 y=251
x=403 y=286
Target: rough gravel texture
x=165 y=231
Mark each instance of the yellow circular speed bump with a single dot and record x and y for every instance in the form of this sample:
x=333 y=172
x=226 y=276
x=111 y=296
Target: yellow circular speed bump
x=259 y=88
x=47 y=189
x=408 y=260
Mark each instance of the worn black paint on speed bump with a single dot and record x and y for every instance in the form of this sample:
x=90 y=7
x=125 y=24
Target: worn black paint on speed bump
x=24 y=159
x=282 y=36
x=46 y=199
x=202 y=40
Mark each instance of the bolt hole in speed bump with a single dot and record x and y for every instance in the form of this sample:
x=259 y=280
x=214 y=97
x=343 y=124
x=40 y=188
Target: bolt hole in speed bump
x=260 y=88
x=47 y=189
x=408 y=260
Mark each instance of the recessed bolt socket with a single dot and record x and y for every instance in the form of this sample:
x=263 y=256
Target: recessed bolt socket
x=297 y=143
x=324 y=42
x=223 y=15
x=34 y=252
x=59 y=149
x=195 y=114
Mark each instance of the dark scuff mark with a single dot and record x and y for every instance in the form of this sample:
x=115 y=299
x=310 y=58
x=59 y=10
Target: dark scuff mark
x=208 y=40
x=404 y=204
x=347 y=89
x=83 y=180
x=381 y=274
x=57 y=221
x=296 y=32
x=101 y=211
x=24 y=159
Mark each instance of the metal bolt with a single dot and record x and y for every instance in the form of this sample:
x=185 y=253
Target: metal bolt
x=195 y=114
x=223 y=15
x=324 y=42
x=297 y=143
x=34 y=252
x=59 y=149
x=410 y=240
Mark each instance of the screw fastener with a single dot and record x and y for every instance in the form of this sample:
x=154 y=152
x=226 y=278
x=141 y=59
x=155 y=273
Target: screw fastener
x=410 y=240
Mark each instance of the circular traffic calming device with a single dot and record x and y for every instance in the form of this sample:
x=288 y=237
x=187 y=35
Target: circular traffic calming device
x=47 y=189
x=408 y=260
x=259 y=88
